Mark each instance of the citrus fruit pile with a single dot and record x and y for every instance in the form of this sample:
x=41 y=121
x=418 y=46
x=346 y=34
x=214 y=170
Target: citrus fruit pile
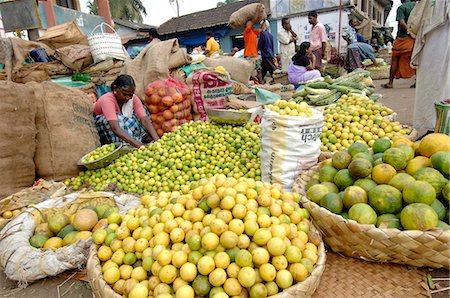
x=356 y=118
x=400 y=185
x=63 y=228
x=194 y=151
x=291 y=108
x=99 y=153
x=226 y=237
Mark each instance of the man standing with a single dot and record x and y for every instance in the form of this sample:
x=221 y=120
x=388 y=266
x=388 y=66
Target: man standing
x=287 y=38
x=318 y=38
x=212 y=46
x=265 y=45
x=250 y=35
x=403 y=46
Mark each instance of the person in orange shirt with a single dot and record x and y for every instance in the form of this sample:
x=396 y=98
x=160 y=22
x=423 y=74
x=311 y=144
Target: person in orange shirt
x=251 y=44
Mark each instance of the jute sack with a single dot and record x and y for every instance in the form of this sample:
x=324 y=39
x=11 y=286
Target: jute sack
x=154 y=63
x=238 y=68
x=17 y=137
x=239 y=18
x=76 y=57
x=63 y=35
x=24 y=263
x=65 y=130
x=35 y=72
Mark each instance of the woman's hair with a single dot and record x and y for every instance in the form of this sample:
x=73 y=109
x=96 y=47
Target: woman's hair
x=304 y=46
x=123 y=81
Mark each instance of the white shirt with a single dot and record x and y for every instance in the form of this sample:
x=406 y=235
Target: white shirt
x=287 y=48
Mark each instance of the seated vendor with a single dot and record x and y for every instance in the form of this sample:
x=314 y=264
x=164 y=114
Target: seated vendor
x=302 y=67
x=121 y=117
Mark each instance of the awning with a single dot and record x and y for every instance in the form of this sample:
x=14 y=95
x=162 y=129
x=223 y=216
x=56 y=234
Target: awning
x=198 y=37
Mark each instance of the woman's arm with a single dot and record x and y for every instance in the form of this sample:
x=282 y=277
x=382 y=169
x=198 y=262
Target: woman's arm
x=115 y=127
x=313 y=62
x=147 y=123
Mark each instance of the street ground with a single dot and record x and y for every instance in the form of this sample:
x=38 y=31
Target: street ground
x=400 y=99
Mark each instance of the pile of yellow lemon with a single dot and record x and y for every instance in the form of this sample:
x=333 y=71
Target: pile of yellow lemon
x=224 y=237
x=291 y=108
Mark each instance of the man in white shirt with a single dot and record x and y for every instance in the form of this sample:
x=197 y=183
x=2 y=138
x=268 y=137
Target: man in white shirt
x=287 y=38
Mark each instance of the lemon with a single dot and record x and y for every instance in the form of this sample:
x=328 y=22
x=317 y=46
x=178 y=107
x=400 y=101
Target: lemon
x=111 y=275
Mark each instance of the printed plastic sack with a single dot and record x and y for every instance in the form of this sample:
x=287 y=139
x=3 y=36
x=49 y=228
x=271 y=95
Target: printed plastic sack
x=24 y=263
x=289 y=144
x=169 y=102
x=209 y=89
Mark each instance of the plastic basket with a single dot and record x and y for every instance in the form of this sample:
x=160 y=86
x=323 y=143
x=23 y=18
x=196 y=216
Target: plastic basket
x=106 y=45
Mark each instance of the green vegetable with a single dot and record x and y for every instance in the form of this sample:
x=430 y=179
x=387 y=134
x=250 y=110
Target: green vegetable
x=355 y=85
x=300 y=93
x=328 y=100
x=321 y=97
x=314 y=91
x=342 y=89
x=318 y=85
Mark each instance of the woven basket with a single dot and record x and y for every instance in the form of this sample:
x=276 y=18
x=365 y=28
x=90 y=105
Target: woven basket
x=412 y=247
x=348 y=277
x=302 y=289
x=106 y=45
x=379 y=74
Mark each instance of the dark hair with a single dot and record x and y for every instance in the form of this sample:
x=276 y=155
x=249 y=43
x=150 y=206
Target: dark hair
x=209 y=33
x=312 y=13
x=284 y=20
x=350 y=22
x=153 y=33
x=123 y=81
x=303 y=47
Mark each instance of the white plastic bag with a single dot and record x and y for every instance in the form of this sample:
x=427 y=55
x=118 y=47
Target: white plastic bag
x=289 y=144
x=24 y=263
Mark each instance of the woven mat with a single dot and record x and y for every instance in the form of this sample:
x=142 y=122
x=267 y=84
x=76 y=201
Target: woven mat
x=349 y=277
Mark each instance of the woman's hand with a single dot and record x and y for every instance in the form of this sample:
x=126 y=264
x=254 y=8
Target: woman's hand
x=122 y=134
x=147 y=123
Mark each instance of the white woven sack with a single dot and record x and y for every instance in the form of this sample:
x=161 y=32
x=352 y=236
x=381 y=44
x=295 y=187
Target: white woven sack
x=106 y=45
x=23 y=263
x=289 y=144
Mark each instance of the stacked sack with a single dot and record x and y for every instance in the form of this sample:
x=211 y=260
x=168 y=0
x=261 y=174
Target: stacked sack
x=169 y=102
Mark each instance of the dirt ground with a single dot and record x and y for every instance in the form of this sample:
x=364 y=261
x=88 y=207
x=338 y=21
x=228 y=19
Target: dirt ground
x=400 y=99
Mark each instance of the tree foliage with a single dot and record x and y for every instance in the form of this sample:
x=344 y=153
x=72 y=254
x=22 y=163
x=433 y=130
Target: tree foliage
x=129 y=10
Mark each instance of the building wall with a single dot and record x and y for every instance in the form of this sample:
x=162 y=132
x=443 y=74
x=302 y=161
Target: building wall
x=330 y=20
x=2 y=29
x=86 y=22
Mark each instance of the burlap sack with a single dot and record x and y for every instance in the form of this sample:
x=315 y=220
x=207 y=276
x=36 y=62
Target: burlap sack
x=239 y=69
x=76 y=57
x=14 y=51
x=17 y=137
x=65 y=130
x=56 y=68
x=63 y=35
x=35 y=72
x=239 y=18
x=154 y=63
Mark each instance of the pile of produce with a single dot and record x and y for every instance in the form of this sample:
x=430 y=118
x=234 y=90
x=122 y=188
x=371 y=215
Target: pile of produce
x=194 y=151
x=169 y=103
x=355 y=118
x=325 y=91
x=100 y=152
x=62 y=228
x=235 y=237
x=399 y=185
x=291 y=108
x=8 y=214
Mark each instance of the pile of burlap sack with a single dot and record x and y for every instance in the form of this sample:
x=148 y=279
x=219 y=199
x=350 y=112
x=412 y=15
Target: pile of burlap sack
x=44 y=129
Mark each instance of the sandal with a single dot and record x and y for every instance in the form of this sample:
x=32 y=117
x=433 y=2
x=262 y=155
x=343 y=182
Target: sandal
x=385 y=86
x=413 y=86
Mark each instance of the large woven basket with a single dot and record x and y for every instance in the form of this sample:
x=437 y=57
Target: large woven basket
x=412 y=247
x=379 y=74
x=106 y=45
x=302 y=289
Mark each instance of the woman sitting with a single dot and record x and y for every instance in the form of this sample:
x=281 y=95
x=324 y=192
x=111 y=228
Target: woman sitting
x=302 y=67
x=120 y=115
